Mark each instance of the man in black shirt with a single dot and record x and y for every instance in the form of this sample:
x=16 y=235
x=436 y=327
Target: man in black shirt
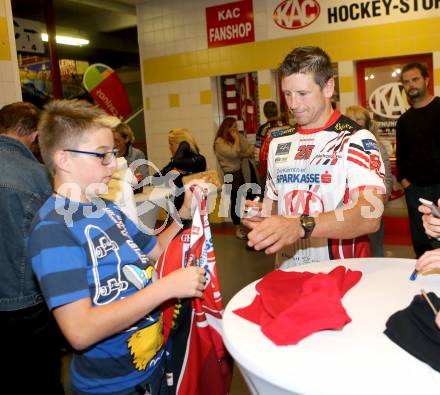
x=418 y=149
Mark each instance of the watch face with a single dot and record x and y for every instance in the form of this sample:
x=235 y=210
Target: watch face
x=308 y=224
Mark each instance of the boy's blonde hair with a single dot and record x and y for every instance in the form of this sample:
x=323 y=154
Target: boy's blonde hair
x=63 y=123
x=179 y=135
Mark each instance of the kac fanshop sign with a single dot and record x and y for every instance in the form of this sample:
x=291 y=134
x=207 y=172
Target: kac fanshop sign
x=229 y=24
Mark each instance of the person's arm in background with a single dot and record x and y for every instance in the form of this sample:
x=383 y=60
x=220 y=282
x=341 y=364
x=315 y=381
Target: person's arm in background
x=140 y=170
x=388 y=174
x=401 y=157
x=246 y=149
x=264 y=152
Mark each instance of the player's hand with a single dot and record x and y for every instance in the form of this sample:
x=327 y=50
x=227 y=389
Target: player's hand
x=274 y=233
x=252 y=211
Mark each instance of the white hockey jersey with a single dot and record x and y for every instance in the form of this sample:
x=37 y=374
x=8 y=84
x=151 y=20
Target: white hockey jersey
x=315 y=171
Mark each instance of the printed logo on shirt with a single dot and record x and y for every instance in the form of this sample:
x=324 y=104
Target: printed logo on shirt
x=328 y=155
x=283 y=148
x=326 y=178
x=302 y=202
x=304 y=152
x=340 y=127
x=108 y=286
x=281 y=159
x=281 y=131
x=375 y=162
x=299 y=178
x=369 y=144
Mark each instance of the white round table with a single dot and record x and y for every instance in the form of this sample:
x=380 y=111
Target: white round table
x=357 y=360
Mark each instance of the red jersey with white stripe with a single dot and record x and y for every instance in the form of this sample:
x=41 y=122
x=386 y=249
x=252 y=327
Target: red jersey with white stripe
x=315 y=171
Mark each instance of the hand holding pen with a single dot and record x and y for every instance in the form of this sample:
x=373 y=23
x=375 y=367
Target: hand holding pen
x=252 y=210
x=429 y=261
x=431 y=305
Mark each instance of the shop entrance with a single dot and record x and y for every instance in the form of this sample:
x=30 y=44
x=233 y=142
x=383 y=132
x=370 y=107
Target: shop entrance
x=380 y=91
x=239 y=96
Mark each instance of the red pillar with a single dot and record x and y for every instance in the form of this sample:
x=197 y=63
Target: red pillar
x=57 y=89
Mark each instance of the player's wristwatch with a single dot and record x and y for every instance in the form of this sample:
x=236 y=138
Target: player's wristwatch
x=308 y=224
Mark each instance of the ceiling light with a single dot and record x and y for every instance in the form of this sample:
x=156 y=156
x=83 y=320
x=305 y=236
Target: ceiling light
x=67 y=40
x=371 y=76
x=398 y=71
x=393 y=74
x=366 y=78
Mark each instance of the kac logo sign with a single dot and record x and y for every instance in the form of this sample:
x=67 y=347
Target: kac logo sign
x=296 y=14
x=389 y=100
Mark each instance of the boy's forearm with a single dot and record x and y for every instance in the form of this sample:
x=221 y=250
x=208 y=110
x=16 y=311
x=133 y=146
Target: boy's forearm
x=84 y=325
x=164 y=238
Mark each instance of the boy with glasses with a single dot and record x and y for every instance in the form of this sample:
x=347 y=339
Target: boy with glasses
x=79 y=245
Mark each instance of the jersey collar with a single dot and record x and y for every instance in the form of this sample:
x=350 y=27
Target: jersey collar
x=335 y=115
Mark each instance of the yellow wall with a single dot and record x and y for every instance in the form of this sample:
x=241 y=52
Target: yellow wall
x=394 y=39
x=5 y=52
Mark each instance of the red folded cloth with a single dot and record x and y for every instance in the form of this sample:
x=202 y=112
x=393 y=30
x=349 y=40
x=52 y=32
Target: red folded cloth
x=290 y=306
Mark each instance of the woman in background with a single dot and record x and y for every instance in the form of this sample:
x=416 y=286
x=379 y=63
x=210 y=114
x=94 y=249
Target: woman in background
x=362 y=117
x=185 y=160
x=230 y=148
x=124 y=137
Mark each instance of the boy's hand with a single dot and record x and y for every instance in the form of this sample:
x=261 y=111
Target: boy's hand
x=186 y=209
x=186 y=282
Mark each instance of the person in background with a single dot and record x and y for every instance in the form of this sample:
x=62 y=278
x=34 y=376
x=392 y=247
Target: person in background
x=124 y=138
x=80 y=247
x=418 y=149
x=325 y=182
x=30 y=337
x=123 y=183
x=270 y=111
x=230 y=147
x=362 y=117
x=185 y=160
x=272 y=133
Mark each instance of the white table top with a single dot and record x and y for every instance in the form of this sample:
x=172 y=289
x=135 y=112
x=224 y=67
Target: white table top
x=359 y=359
x=153 y=193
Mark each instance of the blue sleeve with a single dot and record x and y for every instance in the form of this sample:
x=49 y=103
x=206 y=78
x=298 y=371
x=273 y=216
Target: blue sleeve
x=59 y=264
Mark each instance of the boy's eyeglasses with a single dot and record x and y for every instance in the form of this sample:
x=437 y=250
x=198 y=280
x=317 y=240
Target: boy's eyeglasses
x=106 y=157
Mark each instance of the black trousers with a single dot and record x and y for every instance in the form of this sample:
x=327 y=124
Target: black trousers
x=237 y=182
x=30 y=349
x=421 y=241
